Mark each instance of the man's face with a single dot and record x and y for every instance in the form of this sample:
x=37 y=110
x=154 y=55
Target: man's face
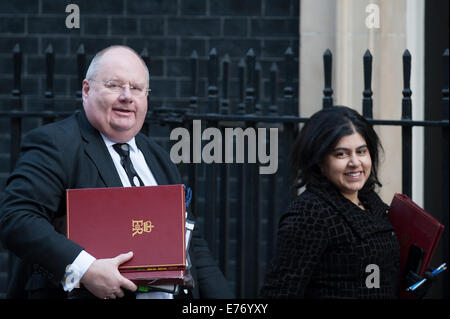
x=117 y=112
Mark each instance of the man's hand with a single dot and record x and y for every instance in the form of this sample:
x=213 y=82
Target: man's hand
x=104 y=280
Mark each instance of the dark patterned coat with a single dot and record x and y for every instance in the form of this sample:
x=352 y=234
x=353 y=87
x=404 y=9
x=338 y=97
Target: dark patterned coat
x=326 y=243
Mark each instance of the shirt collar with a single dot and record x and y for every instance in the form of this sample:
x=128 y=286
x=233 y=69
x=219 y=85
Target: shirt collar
x=109 y=143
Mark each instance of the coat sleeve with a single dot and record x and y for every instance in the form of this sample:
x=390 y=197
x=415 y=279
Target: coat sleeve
x=32 y=197
x=301 y=240
x=211 y=282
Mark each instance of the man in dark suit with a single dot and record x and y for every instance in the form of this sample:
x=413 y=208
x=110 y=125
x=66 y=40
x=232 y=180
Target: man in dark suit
x=99 y=146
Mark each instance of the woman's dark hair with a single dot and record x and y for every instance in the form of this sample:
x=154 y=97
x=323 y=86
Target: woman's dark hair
x=320 y=135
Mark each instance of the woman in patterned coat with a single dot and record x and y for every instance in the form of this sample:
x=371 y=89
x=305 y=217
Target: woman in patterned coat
x=335 y=240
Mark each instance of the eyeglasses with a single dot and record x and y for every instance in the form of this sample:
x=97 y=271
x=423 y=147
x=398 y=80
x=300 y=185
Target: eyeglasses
x=119 y=86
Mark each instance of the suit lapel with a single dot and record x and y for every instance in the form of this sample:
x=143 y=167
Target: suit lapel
x=96 y=150
x=150 y=158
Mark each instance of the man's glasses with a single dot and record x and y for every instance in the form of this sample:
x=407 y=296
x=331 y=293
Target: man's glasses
x=119 y=86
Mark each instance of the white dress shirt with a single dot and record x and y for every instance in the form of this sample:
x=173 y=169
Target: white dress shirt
x=84 y=260
x=138 y=160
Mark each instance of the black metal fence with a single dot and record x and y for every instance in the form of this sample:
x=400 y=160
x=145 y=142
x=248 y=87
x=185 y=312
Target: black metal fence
x=237 y=208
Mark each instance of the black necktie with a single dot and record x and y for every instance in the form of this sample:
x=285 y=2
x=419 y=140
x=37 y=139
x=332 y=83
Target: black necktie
x=124 y=151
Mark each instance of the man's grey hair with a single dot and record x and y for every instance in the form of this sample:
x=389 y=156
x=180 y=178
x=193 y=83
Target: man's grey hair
x=95 y=64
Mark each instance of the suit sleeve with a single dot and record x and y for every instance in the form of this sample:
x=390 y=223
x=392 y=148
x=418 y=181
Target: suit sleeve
x=210 y=279
x=302 y=239
x=33 y=195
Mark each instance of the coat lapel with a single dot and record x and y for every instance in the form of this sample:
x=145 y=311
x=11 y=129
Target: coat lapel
x=96 y=150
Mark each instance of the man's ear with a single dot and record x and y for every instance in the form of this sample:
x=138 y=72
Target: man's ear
x=85 y=88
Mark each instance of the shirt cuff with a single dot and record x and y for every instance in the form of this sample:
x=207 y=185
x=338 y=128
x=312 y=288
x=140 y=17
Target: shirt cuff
x=76 y=270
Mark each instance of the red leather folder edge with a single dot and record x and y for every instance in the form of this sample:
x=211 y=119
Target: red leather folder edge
x=435 y=237
x=152 y=278
x=173 y=270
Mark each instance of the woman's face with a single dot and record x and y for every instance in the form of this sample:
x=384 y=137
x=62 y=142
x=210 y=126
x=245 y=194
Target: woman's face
x=348 y=166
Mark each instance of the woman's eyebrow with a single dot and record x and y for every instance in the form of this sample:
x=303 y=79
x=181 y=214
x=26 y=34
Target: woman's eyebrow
x=346 y=149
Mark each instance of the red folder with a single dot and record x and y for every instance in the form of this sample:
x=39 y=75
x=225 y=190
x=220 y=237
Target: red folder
x=154 y=278
x=414 y=226
x=148 y=220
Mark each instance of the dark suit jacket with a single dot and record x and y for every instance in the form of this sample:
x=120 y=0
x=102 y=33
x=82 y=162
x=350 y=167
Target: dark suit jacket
x=72 y=154
x=325 y=244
